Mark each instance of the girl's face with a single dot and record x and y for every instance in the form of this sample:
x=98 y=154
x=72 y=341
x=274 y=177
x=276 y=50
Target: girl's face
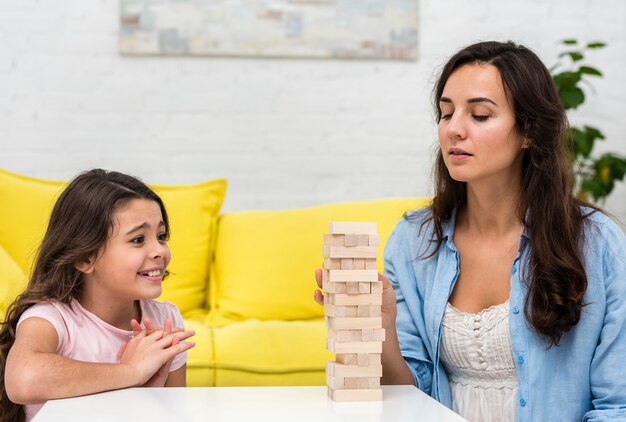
x=477 y=132
x=132 y=263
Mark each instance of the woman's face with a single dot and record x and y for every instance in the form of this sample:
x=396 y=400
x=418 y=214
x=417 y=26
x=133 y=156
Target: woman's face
x=477 y=132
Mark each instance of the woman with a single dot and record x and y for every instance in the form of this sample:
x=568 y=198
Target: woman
x=507 y=296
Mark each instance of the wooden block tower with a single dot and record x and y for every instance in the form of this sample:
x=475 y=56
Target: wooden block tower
x=352 y=310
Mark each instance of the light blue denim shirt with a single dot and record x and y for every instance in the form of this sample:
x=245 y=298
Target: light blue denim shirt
x=584 y=378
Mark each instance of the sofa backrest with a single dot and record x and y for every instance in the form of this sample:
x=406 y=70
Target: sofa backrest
x=265 y=260
x=193 y=210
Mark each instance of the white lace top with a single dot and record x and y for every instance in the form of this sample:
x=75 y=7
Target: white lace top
x=477 y=355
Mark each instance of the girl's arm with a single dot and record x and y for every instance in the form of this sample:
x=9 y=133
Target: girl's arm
x=177 y=378
x=35 y=373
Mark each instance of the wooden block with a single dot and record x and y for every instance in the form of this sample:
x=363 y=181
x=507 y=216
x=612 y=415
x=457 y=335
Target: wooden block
x=373 y=240
x=340 y=370
x=335 y=311
x=336 y=383
x=345 y=335
x=332 y=264
x=350 y=383
x=355 y=300
x=354 y=323
x=335 y=239
x=374 y=382
x=370 y=264
x=353 y=287
x=376 y=287
x=346 y=358
x=375 y=359
x=373 y=334
x=363 y=359
x=359 y=264
x=332 y=287
x=359 y=347
x=355 y=395
x=353 y=252
x=352 y=311
x=364 y=287
x=368 y=383
x=341 y=227
x=363 y=311
x=347 y=264
x=357 y=240
x=375 y=311
x=353 y=275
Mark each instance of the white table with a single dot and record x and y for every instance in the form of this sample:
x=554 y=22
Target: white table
x=219 y=404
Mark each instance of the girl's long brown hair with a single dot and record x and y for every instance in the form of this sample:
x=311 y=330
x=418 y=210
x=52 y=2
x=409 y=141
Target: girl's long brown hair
x=553 y=216
x=79 y=226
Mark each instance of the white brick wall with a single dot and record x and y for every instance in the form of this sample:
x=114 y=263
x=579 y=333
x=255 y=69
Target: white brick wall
x=285 y=133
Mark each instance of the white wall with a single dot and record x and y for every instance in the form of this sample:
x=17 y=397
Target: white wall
x=285 y=133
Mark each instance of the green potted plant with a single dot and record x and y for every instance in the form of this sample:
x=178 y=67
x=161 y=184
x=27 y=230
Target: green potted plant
x=595 y=176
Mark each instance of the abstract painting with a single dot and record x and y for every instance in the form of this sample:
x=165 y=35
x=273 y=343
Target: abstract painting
x=351 y=29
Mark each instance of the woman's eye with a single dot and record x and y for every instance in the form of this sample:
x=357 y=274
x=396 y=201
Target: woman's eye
x=137 y=240
x=480 y=118
x=446 y=116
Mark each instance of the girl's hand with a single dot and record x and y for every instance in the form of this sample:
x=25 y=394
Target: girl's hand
x=151 y=355
x=388 y=308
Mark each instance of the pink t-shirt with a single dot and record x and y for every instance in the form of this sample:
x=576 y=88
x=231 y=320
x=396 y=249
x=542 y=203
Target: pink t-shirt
x=85 y=337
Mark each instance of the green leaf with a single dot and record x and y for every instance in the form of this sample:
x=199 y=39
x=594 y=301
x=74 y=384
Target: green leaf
x=566 y=79
x=588 y=70
x=572 y=97
x=569 y=41
x=575 y=55
x=592 y=132
x=597 y=44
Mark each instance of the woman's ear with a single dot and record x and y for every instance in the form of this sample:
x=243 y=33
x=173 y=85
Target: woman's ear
x=525 y=143
x=86 y=266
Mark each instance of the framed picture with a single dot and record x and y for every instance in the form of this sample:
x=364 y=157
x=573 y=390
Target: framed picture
x=351 y=29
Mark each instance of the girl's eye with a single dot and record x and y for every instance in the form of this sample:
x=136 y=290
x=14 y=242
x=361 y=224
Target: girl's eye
x=480 y=118
x=137 y=240
x=162 y=237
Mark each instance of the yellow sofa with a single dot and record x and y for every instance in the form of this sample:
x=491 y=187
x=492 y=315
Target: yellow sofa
x=243 y=280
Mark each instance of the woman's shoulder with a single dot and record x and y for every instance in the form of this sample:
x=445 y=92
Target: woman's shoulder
x=602 y=228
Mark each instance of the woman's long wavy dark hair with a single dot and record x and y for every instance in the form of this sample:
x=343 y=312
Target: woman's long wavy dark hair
x=553 y=216
x=79 y=226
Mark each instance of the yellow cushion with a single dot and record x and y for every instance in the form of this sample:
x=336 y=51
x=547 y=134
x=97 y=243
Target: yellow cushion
x=193 y=209
x=265 y=260
x=271 y=353
x=12 y=281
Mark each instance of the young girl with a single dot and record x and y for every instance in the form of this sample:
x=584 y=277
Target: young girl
x=75 y=329
x=506 y=298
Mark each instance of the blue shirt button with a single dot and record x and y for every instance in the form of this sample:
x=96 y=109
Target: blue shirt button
x=522 y=402
x=516 y=310
x=520 y=359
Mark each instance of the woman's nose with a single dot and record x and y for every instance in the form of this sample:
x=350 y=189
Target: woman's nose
x=456 y=127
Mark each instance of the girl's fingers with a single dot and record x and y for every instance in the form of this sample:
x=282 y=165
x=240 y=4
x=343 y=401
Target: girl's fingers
x=148 y=324
x=136 y=327
x=167 y=327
